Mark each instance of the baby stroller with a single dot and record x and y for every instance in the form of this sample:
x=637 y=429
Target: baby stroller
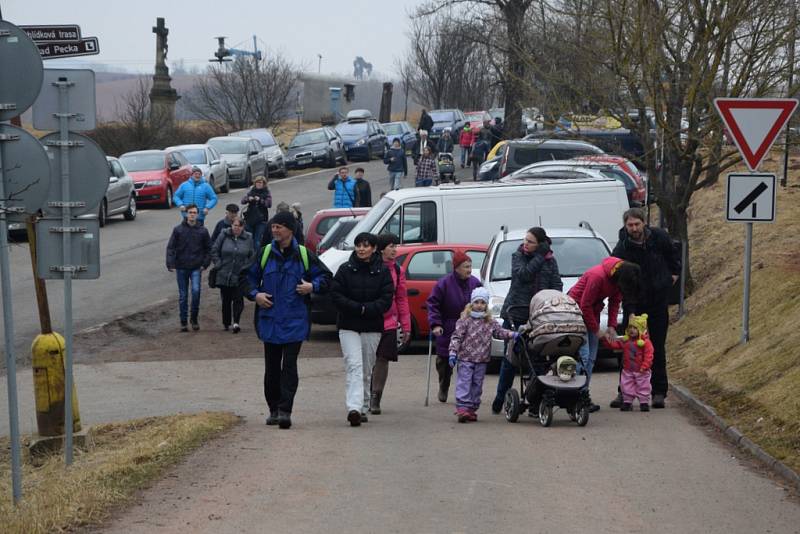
x=446 y=167
x=545 y=354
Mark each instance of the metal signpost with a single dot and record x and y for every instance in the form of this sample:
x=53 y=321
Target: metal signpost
x=754 y=124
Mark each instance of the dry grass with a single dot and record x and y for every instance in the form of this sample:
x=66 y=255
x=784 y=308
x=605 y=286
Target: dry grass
x=754 y=386
x=125 y=458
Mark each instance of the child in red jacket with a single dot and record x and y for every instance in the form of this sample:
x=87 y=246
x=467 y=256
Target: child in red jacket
x=637 y=359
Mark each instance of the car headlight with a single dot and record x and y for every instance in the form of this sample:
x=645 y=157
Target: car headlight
x=319 y=152
x=488 y=166
x=496 y=305
x=152 y=183
x=360 y=142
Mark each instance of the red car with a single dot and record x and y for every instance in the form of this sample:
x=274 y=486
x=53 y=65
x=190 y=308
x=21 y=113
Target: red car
x=323 y=221
x=156 y=174
x=640 y=193
x=477 y=118
x=424 y=266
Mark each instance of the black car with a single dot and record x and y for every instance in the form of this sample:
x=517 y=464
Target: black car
x=320 y=146
x=515 y=155
x=446 y=118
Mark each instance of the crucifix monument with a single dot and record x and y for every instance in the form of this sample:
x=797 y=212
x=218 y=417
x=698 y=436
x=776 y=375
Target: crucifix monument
x=162 y=95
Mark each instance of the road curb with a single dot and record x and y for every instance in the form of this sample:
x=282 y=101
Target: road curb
x=735 y=436
x=118 y=318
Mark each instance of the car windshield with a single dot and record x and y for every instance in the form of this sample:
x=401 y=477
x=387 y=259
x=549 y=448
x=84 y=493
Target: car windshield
x=143 y=162
x=393 y=128
x=442 y=116
x=229 y=146
x=263 y=136
x=574 y=256
x=337 y=233
x=195 y=156
x=352 y=128
x=475 y=117
x=370 y=219
x=308 y=138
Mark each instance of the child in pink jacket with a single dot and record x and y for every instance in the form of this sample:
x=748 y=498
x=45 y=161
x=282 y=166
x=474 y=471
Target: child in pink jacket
x=471 y=346
x=637 y=360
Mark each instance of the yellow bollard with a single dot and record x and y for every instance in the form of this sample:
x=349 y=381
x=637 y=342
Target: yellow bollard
x=48 y=384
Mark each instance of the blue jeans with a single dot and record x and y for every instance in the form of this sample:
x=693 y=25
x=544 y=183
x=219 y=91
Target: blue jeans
x=588 y=354
x=394 y=180
x=506 y=377
x=183 y=276
x=257 y=231
x=464 y=155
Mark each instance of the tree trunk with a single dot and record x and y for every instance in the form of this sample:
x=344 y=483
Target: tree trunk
x=514 y=16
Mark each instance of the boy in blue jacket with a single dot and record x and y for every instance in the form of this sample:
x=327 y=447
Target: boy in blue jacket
x=198 y=192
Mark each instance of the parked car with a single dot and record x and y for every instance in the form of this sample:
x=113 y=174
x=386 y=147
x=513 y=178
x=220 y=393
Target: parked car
x=635 y=191
x=363 y=138
x=477 y=118
x=576 y=250
x=324 y=220
x=215 y=169
x=120 y=196
x=276 y=158
x=446 y=118
x=403 y=131
x=245 y=157
x=521 y=153
x=338 y=232
x=156 y=174
x=642 y=194
x=320 y=146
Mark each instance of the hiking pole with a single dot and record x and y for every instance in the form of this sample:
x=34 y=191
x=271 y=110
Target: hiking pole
x=430 y=354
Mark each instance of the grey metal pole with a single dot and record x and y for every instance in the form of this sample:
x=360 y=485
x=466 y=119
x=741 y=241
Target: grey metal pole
x=684 y=254
x=8 y=328
x=63 y=108
x=748 y=248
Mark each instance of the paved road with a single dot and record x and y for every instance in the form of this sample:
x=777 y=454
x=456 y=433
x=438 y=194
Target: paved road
x=132 y=259
x=415 y=469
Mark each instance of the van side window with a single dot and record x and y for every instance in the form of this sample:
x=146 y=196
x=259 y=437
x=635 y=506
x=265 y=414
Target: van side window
x=419 y=223
x=392 y=226
x=430 y=265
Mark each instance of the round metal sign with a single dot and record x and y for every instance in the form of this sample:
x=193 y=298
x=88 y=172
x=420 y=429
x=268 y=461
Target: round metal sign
x=88 y=173
x=20 y=56
x=26 y=172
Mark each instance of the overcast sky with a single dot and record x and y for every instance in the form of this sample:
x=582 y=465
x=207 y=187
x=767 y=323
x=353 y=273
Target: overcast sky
x=300 y=29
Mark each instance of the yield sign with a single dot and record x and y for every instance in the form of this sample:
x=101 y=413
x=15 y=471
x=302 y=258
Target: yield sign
x=755 y=123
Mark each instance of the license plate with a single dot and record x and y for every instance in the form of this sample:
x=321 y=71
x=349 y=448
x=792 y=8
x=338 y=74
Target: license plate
x=304 y=161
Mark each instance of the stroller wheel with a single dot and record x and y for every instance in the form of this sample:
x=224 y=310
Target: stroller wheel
x=511 y=406
x=581 y=414
x=545 y=413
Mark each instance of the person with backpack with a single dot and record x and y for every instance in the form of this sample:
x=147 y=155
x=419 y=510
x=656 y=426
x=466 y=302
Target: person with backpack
x=258 y=201
x=232 y=253
x=280 y=282
x=398 y=314
x=344 y=189
x=362 y=292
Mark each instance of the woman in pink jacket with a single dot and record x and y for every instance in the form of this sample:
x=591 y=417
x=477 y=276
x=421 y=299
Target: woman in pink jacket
x=398 y=315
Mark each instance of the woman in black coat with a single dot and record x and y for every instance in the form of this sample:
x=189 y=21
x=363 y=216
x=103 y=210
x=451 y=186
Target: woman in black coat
x=533 y=268
x=362 y=291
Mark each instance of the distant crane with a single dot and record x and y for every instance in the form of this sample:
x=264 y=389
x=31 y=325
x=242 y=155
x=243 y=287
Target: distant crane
x=223 y=54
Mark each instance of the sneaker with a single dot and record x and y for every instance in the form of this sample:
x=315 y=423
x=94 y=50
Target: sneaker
x=472 y=416
x=617 y=402
x=644 y=407
x=626 y=407
x=284 y=420
x=354 y=416
x=658 y=401
x=236 y=328
x=195 y=326
x=364 y=418
x=272 y=419
x=463 y=416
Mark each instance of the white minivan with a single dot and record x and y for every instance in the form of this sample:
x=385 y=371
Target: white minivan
x=474 y=212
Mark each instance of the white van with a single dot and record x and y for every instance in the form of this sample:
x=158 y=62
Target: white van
x=473 y=213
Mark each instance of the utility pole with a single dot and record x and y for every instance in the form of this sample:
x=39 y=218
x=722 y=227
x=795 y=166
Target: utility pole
x=319 y=65
x=789 y=94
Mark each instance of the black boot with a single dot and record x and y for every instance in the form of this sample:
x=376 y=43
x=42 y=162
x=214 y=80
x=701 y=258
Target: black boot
x=617 y=402
x=284 y=420
x=273 y=418
x=375 y=403
x=658 y=401
x=445 y=371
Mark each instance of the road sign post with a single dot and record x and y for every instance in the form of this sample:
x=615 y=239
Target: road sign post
x=754 y=124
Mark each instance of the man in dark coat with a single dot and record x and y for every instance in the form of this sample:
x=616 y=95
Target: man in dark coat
x=425 y=121
x=188 y=255
x=651 y=249
x=231 y=212
x=363 y=191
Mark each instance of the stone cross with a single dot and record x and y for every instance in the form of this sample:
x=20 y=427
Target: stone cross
x=161 y=32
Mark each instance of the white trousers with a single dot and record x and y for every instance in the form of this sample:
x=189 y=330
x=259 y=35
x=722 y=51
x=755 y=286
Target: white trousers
x=358 y=350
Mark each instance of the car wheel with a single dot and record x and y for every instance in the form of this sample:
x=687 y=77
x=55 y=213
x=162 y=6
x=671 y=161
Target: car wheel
x=212 y=183
x=248 y=178
x=283 y=173
x=227 y=185
x=102 y=215
x=385 y=150
x=369 y=153
x=130 y=213
x=168 y=201
x=330 y=161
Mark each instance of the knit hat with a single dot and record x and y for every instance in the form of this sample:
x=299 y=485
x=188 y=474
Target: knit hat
x=459 y=258
x=639 y=322
x=233 y=208
x=282 y=206
x=284 y=218
x=480 y=293
x=195 y=169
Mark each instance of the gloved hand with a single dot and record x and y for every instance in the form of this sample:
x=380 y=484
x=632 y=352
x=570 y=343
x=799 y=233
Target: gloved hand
x=453 y=359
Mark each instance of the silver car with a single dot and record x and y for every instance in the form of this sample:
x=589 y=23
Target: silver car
x=120 y=196
x=575 y=249
x=245 y=156
x=276 y=158
x=215 y=169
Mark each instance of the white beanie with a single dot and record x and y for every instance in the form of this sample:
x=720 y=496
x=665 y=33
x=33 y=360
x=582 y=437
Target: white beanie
x=480 y=293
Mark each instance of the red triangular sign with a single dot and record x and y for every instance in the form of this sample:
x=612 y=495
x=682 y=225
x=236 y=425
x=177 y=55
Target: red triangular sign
x=754 y=123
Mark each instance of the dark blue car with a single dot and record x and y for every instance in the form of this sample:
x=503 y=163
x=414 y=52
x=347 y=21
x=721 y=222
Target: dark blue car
x=403 y=131
x=363 y=138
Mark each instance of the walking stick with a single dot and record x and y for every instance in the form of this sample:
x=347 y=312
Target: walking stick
x=430 y=354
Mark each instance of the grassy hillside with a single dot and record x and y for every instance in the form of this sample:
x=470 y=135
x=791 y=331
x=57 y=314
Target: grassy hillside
x=754 y=386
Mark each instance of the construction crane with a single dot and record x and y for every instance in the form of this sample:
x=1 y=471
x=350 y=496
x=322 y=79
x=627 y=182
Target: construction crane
x=223 y=54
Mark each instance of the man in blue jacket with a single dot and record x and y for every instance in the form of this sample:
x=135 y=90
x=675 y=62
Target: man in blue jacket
x=280 y=282
x=198 y=192
x=344 y=188
x=189 y=254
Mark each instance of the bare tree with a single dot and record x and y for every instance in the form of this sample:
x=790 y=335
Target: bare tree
x=245 y=92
